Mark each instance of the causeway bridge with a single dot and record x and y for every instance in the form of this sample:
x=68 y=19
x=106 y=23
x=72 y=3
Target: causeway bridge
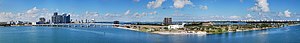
x=79 y=25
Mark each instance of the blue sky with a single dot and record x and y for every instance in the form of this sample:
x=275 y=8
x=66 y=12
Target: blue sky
x=151 y=10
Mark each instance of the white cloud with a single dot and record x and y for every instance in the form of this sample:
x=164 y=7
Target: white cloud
x=234 y=17
x=107 y=14
x=260 y=6
x=136 y=14
x=127 y=12
x=31 y=15
x=155 y=4
x=144 y=14
x=5 y=16
x=248 y=16
x=280 y=14
x=139 y=15
x=181 y=3
x=287 y=13
x=152 y=13
x=112 y=15
x=90 y=15
x=203 y=7
x=136 y=0
x=32 y=11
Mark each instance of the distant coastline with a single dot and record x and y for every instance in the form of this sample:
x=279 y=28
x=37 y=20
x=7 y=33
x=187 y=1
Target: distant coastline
x=198 y=32
x=212 y=28
x=203 y=33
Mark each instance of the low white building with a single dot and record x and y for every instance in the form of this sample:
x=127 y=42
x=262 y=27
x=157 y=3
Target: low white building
x=33 y=23
x=176 y=26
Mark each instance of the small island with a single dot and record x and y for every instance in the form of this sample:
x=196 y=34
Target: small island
x=206 y=27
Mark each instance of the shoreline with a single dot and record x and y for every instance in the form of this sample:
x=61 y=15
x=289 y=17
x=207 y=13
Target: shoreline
x=165 y=33
x=199 y=32
x=176 y=32
x=186 y=33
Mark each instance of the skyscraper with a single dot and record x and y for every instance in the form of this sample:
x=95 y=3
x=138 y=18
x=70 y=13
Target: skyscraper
x=60 y=18
x=167 y=21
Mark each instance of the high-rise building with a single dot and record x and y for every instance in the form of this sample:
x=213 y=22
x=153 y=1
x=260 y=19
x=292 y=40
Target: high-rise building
x=86 y=21
x=167 y=21
x=66 y=18
x=60 y=18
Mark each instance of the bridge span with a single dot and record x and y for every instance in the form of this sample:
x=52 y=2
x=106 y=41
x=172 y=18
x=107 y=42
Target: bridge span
x=80 y=25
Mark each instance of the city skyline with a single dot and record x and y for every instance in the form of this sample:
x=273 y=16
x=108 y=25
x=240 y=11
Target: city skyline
x=150 y=10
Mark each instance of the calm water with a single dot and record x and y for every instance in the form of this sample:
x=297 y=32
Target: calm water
x=28 y=34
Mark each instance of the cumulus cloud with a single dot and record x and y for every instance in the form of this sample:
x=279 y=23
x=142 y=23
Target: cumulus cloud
x=5 y=16
x=30 y=15
x=181 y=3
x=287 y=13
x=34 y=13
x=155 y=4
x=33 y=10
x=203 y=7
x=260 y=6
